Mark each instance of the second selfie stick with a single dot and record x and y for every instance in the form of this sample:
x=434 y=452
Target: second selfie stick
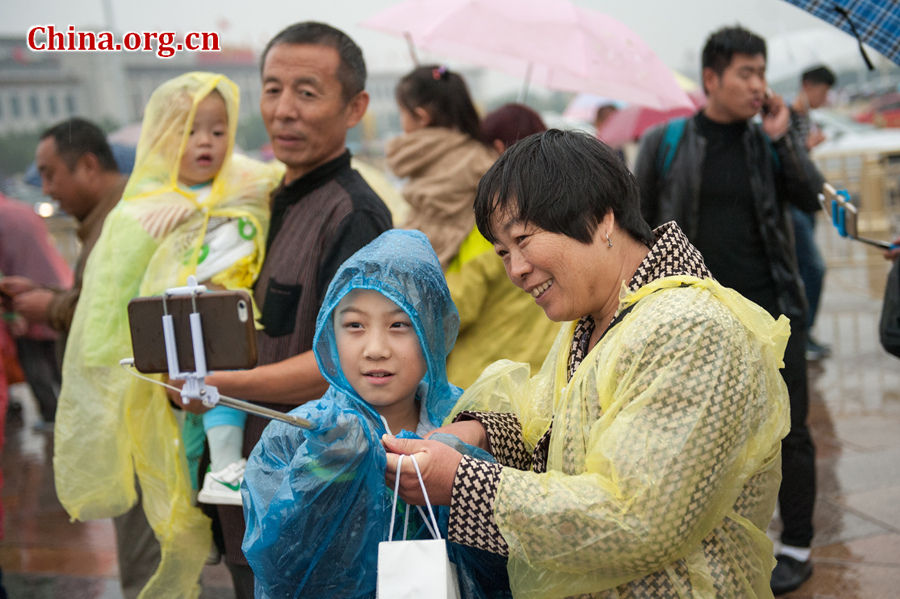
x=840 y=207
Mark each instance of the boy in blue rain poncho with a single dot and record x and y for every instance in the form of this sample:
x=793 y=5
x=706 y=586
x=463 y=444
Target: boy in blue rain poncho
x=315 y=501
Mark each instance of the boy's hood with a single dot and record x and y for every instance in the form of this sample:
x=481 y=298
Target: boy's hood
x=168 y=118
x=402 y=266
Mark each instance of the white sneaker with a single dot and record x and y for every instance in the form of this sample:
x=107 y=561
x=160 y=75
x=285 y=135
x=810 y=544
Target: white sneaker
x=224 y=486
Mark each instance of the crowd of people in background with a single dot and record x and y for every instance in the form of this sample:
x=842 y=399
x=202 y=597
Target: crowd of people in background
x=584 y=361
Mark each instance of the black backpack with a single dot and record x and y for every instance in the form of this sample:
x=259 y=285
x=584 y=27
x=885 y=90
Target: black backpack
x=889 y=328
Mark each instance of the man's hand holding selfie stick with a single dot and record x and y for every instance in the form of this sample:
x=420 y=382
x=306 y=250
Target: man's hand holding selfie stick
x=194 y=386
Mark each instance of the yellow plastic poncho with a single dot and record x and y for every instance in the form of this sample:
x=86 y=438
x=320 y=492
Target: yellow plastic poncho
x=664 y=459
x=111 y=426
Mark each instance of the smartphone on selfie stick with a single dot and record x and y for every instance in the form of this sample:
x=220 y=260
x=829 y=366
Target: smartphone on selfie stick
x=188 y=332
x=843 y=215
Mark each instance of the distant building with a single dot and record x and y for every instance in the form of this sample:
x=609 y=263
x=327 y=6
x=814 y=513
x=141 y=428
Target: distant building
x=38 y=89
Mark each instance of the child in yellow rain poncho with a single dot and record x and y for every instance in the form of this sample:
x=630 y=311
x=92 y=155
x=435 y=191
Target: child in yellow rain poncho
x=190 y=207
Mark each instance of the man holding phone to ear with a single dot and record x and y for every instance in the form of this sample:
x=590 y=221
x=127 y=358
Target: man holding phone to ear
x=727 y=180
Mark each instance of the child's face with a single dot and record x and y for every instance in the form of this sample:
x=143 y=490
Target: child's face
x=379 y=350
x=208 y=142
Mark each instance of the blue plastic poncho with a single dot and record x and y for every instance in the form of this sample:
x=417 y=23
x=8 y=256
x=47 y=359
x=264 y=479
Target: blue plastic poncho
x=315 y=501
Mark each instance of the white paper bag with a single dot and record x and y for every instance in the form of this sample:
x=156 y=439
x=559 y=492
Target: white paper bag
x=415 y=569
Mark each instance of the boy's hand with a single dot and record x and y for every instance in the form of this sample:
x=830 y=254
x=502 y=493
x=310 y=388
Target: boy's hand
x=437 y=462
x=467 y=431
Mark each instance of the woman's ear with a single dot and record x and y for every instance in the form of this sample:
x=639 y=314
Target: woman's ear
x=499 y=146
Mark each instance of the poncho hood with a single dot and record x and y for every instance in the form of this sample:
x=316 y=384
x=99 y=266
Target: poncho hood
x=167 y=125
x=402 y=266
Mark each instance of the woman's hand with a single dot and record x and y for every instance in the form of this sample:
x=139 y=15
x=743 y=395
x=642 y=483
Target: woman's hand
x=437 y=462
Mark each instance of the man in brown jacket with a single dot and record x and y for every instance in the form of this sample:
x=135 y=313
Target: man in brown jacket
x=313 y=78
x=77 y=170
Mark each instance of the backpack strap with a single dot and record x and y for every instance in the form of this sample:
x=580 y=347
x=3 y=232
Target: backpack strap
x=669 y=145
x=672 y=135
x=776 y=161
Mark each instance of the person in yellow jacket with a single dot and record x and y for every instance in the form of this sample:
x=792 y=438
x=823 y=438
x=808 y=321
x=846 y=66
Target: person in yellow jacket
x=497 y=319
x=191 y=207
x=444 y=151
x=643 y=460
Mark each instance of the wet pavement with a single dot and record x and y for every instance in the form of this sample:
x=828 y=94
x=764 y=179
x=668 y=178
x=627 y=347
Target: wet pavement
x=854 y=416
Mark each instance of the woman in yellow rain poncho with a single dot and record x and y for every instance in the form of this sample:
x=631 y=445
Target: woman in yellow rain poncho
x=110 y=425
x=643 y=460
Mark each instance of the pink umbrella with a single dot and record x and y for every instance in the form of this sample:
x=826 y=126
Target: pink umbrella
x=629 y=123
x=551 y=42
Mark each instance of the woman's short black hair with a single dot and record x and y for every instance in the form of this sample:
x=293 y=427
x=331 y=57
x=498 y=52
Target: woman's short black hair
x=563 y=182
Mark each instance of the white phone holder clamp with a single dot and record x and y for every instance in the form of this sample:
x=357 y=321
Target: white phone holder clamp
x=195 y=386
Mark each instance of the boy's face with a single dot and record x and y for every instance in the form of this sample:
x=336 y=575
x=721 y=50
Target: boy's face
x=208 y=142
x=379 y=350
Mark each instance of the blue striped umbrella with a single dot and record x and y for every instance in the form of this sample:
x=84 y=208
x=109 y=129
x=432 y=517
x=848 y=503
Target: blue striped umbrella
x=873 y=22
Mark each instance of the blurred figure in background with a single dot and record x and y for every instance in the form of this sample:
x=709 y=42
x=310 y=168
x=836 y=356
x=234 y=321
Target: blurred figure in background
x=441 y=155
x=27 y=251
x=603 y=113
x=497 y=319
x=444 y=151
x=508 y=124
x=77 y=170
x=814 y=87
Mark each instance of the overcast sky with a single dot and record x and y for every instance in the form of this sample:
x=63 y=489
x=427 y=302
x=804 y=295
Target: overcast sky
x=674 y=29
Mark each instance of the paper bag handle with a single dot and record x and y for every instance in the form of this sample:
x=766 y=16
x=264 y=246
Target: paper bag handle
x=434 y=531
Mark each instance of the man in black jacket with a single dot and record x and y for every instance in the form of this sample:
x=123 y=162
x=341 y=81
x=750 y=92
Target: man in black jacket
x=727 y=180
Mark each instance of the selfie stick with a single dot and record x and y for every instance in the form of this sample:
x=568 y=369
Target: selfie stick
x=195 y=386
x=840 y=205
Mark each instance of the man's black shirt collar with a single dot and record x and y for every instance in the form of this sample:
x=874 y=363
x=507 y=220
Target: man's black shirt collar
x=287 y=195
